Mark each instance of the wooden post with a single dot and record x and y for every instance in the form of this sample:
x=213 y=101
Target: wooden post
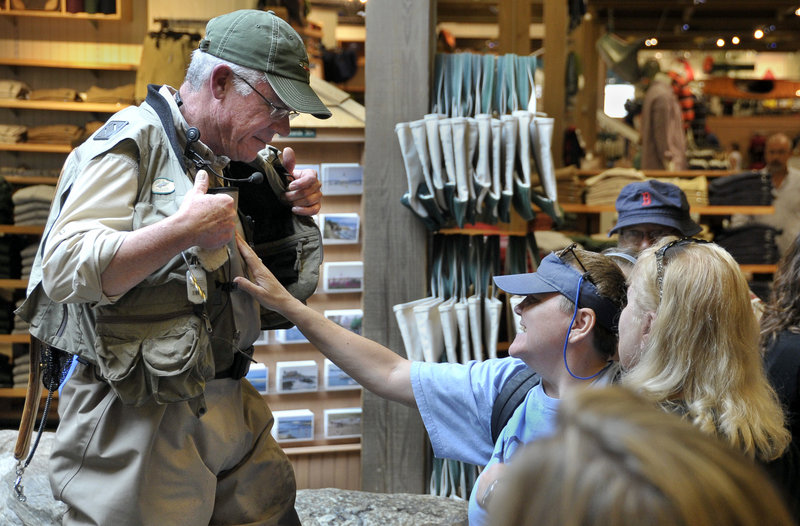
x=514 y=21
x=399 y=51
x=555 y=61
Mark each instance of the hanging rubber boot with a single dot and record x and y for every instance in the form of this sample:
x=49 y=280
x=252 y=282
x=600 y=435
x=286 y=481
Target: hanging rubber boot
x=482 y=180
x=461 y=199
x=426 y=195
x=437 y=163
x=457 y=210
x=496 y=161
x=509 y=154
x=522 y=175
x=416 y=180
x=541 y=128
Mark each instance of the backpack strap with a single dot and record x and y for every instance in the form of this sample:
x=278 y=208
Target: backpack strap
x=511 y=395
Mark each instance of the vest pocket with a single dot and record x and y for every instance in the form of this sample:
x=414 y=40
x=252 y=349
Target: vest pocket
x=165 y=357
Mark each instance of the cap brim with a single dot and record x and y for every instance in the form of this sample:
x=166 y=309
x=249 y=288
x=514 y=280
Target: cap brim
x=524 y=284
x=298 y=96
x=687 y=228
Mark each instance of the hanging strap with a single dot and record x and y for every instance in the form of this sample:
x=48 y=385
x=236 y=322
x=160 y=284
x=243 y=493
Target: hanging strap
x=161 y=107
x=511 y=395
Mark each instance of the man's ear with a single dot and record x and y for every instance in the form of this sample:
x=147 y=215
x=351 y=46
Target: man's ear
x=221 y=81
x=585 y=321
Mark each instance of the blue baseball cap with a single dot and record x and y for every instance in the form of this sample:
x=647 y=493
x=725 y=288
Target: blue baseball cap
x=554 y=275
x=655 y=202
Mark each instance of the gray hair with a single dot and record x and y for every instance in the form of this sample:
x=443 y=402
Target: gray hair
x=202 y=64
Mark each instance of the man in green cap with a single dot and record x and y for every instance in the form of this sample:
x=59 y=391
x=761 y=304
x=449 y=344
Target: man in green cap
x=135 y=278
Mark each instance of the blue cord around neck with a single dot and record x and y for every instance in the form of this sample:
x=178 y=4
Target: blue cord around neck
x=566 y=339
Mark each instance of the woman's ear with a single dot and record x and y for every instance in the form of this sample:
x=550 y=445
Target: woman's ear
x=648 y=318
x=585 y=321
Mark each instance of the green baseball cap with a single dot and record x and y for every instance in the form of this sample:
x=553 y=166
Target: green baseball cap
x=263 y=41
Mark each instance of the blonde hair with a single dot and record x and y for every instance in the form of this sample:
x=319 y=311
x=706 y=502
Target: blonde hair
x=617 y=460
x=702 y=353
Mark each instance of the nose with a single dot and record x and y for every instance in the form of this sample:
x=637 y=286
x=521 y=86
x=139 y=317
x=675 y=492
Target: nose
x=281 y=126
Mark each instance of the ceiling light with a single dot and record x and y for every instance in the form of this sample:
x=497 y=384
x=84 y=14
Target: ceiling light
x=720 y=42
x=758 y=34
x=797 y=12
x=735 y=40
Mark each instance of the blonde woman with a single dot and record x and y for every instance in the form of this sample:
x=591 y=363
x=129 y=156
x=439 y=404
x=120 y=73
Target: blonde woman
x=689 y=341
x=616 y=460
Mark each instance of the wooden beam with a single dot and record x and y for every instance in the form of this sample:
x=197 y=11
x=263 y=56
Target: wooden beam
x=555 y=61
x=399 y=54
x=514 y=20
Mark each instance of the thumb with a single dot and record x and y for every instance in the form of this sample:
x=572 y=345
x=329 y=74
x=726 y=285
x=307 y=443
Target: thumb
x=288 y=159
x=201 y=182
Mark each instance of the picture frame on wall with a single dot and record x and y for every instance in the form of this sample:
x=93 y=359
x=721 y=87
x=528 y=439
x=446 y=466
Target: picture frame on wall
x=288 y=336
x=343 y=422
x=350 y=319
x=342 y=178
x=296 y=376
x=294 y=425
x=339 y=229
x=343 y=276
x=258 y=375
x=337 y=380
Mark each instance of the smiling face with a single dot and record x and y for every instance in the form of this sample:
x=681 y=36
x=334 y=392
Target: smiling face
x=235 y=125
x=544 y=325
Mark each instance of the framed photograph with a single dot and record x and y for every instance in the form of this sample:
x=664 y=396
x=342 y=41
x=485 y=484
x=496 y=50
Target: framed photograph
x=339 y=229
x=296 y=377
x=293 y=425
x=343 y=276
x=263 y=338
x=342 y=178
x=292 y=335
x=337 y=380
x=258 y=375
x=350 y=319
x=343 y=423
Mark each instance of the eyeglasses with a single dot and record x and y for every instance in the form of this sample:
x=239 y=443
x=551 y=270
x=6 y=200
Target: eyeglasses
x=277 y=113
x=635 y=237
x=571 y=249
x=661 y=253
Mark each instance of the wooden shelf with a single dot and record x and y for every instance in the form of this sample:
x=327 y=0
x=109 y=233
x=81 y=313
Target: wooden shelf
x=20 y=392
x=62 y=13
x=36 y=179
x=15 y=338
x=319 y=450
x=668 y=174
x=35 y=148
x=13 y=283
x=55 y=105
x=44 y=63
x=578 y=208
x=24 y=230
x=759 y=269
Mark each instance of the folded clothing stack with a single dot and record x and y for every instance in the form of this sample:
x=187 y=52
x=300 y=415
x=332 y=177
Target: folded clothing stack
x=743 y=189
x=32 y=204
x=750 y=244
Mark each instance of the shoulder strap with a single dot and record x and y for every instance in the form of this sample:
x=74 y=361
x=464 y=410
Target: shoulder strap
x=511 y=395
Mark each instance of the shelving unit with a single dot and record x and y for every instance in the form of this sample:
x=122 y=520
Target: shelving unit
x=7 y=9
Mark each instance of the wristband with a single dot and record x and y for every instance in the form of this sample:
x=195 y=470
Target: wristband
x=483 y=502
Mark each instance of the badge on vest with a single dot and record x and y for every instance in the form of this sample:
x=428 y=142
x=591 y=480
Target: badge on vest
x=162 y=186
x=109 y=130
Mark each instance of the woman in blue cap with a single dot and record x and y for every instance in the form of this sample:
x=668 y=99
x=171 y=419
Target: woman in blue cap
x=568 y=336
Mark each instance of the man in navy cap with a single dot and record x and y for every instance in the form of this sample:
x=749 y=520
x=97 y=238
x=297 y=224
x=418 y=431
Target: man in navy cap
x=649 y=210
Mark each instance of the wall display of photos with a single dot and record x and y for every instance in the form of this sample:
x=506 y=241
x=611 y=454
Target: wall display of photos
x=296 y=376
x=343 y=276
x=334 y=379
x=292 y=335
x=344 y=422
x=350 y=319
x=258 y=375
x=342 y=178
x=339 y=229
x=293 y=425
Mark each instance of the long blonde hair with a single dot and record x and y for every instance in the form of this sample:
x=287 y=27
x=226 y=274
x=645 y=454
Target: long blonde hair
x=702 y=353
x=615 y=459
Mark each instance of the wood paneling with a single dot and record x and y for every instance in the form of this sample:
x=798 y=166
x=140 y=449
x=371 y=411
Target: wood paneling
x=399 y=51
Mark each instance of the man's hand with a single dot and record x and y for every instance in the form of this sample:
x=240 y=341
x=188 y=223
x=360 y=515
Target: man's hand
x=305 y=190
x=211 y=217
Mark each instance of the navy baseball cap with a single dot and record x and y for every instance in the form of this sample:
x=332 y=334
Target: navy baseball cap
x=655 y=202
x=554 y=275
